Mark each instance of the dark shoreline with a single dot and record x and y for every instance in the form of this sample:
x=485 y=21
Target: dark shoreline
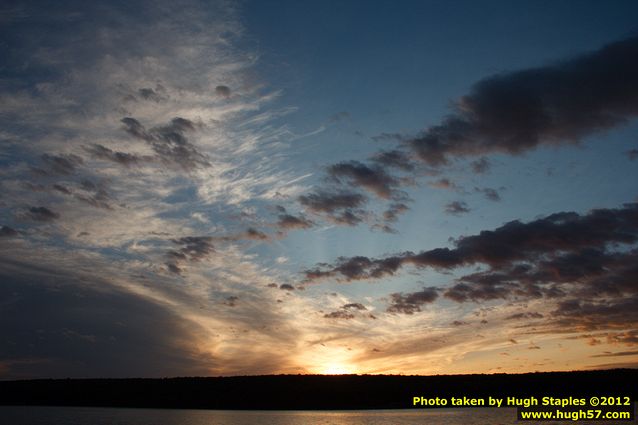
x=311 y=392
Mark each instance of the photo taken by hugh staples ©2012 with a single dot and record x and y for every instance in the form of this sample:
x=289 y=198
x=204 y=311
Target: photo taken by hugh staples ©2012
x=218 y=188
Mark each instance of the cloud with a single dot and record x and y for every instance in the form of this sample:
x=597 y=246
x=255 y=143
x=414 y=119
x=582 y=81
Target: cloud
x=391 y=215
x=90 y=328
x=515 y=241
x=511 y=113
x=129 y=121
x=388 y=137
x=598 y=273
x=158 y=95
x=481 y=166
x=223 y=91
x=231 y=301
x=288 y=222
x=193 y=249
x=347 y=311
x=64 y=164
x=331 y=202
x=339 y=314
x=254 y=234
x=41 y=214
x=8 y=232
x=394 y=158
x=528 y=315
x=412 y=302
x=632 y=154
x=354 y=306
x=489 y=193
x=372 y=178
x=597 y=314
x=457 y=208
x=556 y=104
x=122 y=158
x=617 y=354
x=443 y=184
x=340 y=207
x=93 y=194
x=170 y=142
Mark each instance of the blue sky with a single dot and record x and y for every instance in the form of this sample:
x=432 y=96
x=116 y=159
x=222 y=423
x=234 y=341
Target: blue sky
x=317 y=187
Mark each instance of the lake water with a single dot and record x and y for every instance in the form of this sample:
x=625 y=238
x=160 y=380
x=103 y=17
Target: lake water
x=42 y=415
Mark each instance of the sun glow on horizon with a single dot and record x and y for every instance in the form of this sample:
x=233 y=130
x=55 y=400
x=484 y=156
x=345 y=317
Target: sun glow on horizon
x=337 y=369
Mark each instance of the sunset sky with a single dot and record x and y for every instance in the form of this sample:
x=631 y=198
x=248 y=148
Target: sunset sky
x=256 y=187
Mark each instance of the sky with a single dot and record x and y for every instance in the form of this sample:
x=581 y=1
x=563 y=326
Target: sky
x=219 y=188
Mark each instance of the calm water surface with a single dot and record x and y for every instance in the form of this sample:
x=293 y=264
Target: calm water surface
x=21 y=415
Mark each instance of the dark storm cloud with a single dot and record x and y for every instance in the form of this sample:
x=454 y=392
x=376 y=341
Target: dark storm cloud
x=58 y=324
x=394 y=158
x=122 y=158
x=559 y=233
x=632 y=154
x=411 y=303
x=456 y=208
x=288 y=221
x=169 y=141
x=222 y=91
x=41 y=214
x=340 y=207
x=372 y=178
x=556 y=104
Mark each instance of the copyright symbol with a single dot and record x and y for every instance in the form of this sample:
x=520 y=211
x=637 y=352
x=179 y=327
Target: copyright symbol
x=594 y=401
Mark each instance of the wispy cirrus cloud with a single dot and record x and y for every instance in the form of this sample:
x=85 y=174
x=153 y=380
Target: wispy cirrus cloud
x=131 y=144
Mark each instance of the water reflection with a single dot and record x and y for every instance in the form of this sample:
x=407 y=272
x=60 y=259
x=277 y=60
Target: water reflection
x=20 y=415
